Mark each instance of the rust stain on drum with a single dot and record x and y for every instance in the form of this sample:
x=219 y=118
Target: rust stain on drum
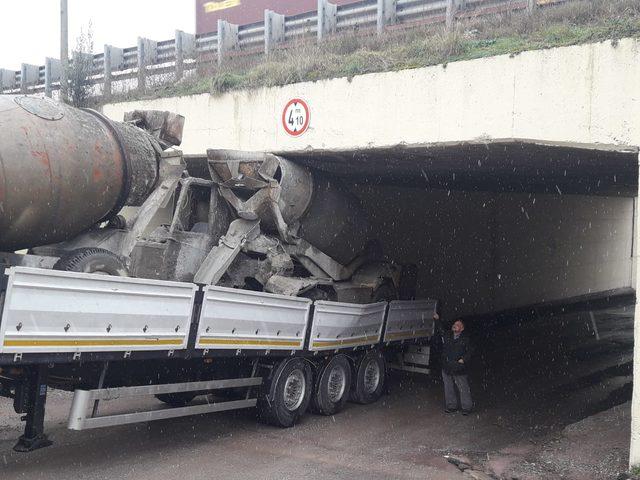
x=97 y=174
x=43 y=157
x=59 y=178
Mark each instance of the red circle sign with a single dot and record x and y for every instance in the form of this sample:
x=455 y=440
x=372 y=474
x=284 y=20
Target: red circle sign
x=295 y=117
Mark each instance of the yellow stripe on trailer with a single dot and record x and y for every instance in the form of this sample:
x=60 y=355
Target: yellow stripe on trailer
x=92 y=342
x=250 y=342
x=348 y=342
x=408 y=334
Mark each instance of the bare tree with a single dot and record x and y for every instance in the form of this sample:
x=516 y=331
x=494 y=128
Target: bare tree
x=80 y=88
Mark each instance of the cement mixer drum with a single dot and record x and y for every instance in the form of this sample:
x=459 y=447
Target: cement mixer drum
x=64 y=169
x=314 y=206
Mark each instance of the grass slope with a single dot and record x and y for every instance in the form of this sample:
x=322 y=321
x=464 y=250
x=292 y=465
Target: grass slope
x=576 y=22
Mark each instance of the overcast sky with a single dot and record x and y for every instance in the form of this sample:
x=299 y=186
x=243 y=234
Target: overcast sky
x=29 y=30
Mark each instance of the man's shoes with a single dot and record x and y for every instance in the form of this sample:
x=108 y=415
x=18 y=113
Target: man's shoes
x=450 y=410
x=466 y=412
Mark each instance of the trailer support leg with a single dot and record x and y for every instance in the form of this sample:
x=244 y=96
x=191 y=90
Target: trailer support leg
x=35 y=398
x=103 y=374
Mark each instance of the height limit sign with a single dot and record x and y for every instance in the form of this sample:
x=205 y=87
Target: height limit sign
x=295 y=117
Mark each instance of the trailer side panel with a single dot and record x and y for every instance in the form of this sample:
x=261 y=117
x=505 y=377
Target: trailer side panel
x=47 y=311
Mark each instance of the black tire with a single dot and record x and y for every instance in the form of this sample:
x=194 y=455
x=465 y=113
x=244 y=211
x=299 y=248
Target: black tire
x=286 y=393
x=332 y=386
x=92 y=260
x=385 y=292
x=321 y=293
x=180 y=399
x=369 y=380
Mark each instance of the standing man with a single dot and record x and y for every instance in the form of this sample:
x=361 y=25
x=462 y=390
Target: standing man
x=456 y=354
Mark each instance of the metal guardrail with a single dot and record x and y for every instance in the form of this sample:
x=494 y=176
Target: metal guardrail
x=177 y=55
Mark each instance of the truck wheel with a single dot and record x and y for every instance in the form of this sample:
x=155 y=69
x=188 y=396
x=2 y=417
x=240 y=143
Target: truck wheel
x=332 y=386
x=287 y=394
x=369 y=379
x=92 y=260
x=180 y=399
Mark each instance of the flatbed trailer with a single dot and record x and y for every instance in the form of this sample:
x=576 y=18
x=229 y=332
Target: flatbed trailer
x=115 y=338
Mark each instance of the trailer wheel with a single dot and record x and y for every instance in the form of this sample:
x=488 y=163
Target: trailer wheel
x=369 y=379
x=287 y=393
x=332 y=386
x=92 y=260
x=180 y=399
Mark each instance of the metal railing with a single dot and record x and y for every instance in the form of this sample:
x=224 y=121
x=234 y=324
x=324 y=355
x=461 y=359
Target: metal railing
x=179 y=54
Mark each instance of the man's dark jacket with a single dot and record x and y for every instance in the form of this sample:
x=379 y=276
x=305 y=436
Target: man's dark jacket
x=454 y=349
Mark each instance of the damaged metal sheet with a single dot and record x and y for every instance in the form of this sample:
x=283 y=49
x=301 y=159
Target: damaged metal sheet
x=167 y=127
x=220 y=257
x=292 y=201
x=291 y=285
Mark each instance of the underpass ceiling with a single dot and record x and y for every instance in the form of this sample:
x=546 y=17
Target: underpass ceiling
x=500 y=165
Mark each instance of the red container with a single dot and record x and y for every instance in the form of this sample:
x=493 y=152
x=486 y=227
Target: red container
x=243 y=12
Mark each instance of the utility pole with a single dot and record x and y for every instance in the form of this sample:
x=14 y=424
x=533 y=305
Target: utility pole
x=64 y=51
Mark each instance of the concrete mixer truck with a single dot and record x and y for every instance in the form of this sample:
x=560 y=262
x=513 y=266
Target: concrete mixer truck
x=256 y=221
x=126 y=271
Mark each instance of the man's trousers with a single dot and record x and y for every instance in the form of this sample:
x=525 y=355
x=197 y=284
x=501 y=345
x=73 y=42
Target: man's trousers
x=450 y=397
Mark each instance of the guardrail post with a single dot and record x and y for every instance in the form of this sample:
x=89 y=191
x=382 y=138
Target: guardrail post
x=273 y=30
x=227 y=39
x=7 y=79
x=185 y=48
x=327 y=19
x=113 y=60
x=147 y=55
x=52 y=73
x=386 y=13
x=29 y=75
x=452 y=8
x=531 y=5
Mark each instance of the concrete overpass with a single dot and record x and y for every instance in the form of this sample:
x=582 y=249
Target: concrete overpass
x=510 y=180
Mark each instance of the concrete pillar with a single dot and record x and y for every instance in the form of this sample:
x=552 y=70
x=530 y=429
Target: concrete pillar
x=634 y=452
x=52 y=72
x=29 y=75
x=113 y=60
x=228 y=39
x=327 y=19
x=147 y=55
x=7 y=79
x=387 y=14
x=273 y=30
x=185 y=48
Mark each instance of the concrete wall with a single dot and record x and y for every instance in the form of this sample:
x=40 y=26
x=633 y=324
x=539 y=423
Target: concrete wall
x=634 y=454
x=482 y=252
x=550 y=247
x=596 y=84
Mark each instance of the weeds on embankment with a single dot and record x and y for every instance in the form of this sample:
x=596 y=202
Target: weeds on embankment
x=356 y=53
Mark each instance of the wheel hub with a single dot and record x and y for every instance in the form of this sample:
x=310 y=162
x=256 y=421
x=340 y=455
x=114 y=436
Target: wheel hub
x=294 y=390
x=371 y=376
x=336 y=383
